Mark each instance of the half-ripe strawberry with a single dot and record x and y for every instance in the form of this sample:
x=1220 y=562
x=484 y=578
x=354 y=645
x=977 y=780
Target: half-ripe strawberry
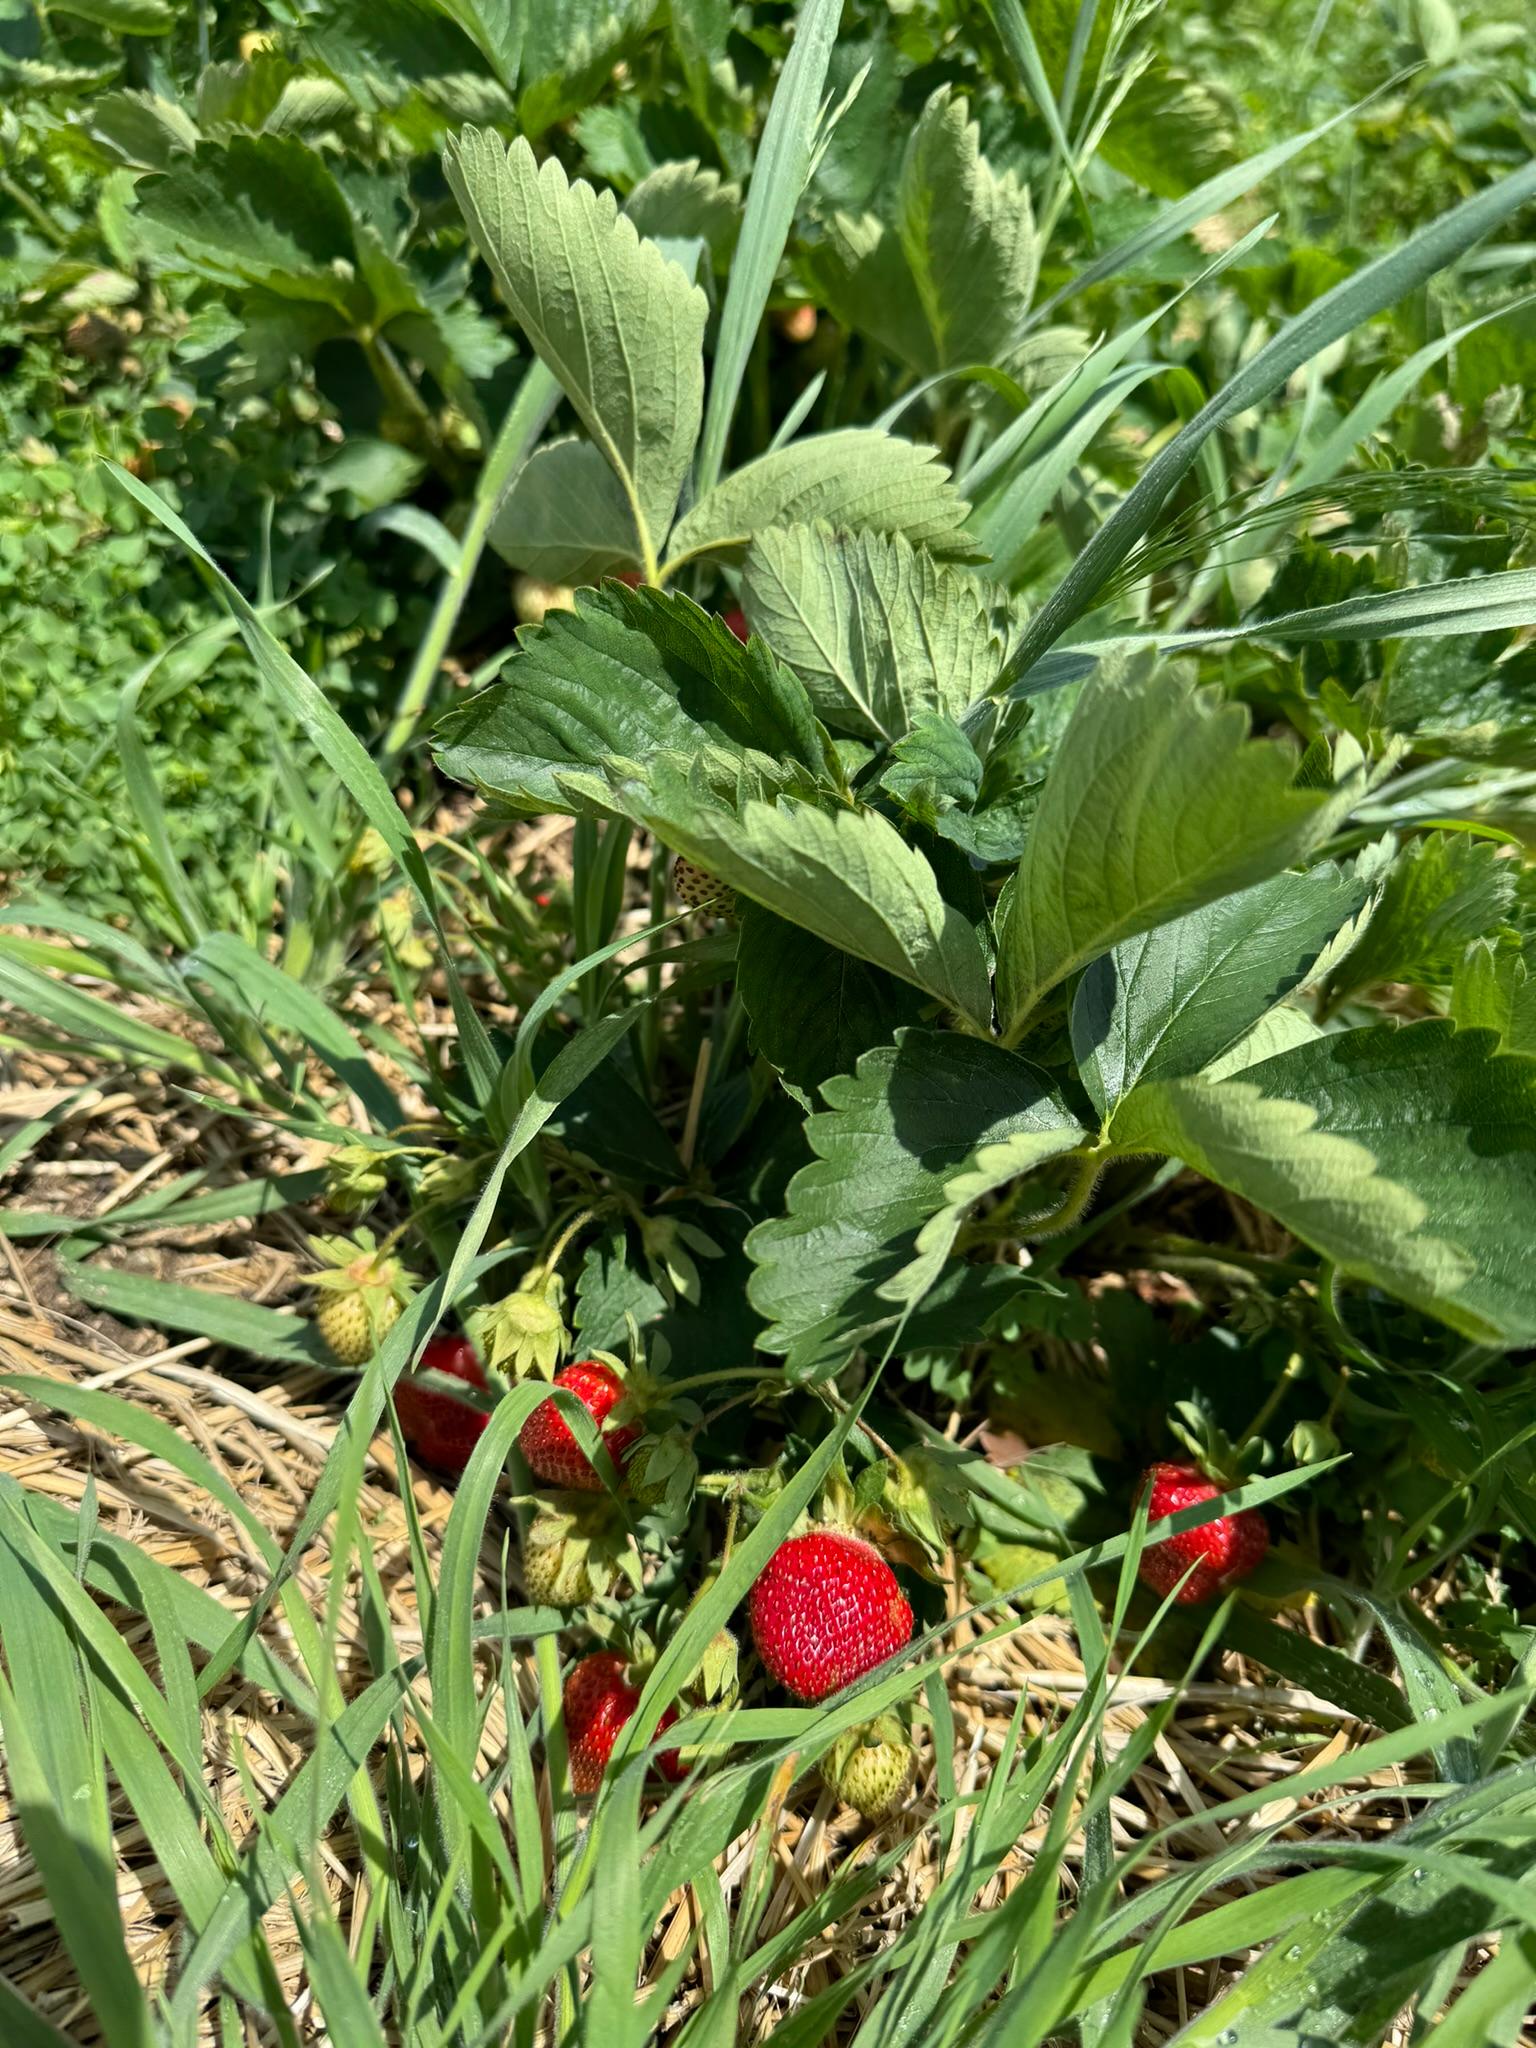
x=1222 y=1551
x=826 y=1609
x=548 y=1442
x=441 y=1431
x=598 y=1700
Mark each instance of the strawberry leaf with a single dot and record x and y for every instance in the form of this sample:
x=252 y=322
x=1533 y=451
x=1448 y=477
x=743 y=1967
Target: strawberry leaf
x=896 y=1134
x=566 y=518
x=1405 y=1155
x=856 y=477
x=848 y=876
x=625 y=677
x=877 y=630
x=1444 y=891
x=1155 y=803
x=621 y=328
x=814 y=1008
x=1170 y=1001
x=968 y=232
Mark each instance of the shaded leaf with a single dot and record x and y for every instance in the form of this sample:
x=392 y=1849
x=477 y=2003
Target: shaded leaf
x=1155 y=803
x=896 y=1132
x=846 y=875
x=814 y=1008
x=566 y=518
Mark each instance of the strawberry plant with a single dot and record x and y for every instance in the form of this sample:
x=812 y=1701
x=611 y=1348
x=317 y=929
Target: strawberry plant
x=1010 y=1119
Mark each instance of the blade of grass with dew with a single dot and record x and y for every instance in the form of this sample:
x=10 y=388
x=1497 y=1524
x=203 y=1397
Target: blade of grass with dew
x=1377 y=404
x=173 y=1305
x=1334 y=314
x=784 y=160
x=120 y=1572
x=451 y=1646
x=334 y=1981
x=337 y=744
x=87 y=1020
x=143 y=791
x=35 y=1129
x=23 y=2027
x=172 y=1207
x=1195 y=207
x=309 y=1799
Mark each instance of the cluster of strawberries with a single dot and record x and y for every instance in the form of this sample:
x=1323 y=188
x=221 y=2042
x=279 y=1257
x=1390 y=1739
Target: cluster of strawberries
x=825 y=1610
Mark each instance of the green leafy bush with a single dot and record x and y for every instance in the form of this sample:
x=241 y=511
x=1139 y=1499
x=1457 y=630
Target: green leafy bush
x=1090 y=1027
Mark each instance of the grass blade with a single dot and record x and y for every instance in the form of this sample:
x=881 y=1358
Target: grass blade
x=784 y=159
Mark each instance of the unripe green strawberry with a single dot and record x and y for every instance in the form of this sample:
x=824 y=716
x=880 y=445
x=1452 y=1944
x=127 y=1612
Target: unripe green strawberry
x=873 y=1774
x=700 y=890
x=350 y=1335
x=662 y=1470
x=355 y=1177
x=365 y=1290
x=564 y=1565
x=533 y=599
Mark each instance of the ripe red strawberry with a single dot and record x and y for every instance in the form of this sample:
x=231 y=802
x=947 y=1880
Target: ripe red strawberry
x=826 y=1609
x=633 y=577
x=440 y=1430
x=598 y=1700
x=547 y=1441
x=736 y=619
x=1222 y=1551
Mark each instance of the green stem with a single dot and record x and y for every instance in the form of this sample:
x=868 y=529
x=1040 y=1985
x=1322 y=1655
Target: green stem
x=1295 y=1366
x=716 y=1379
x=1074 y=1201
x=21 y=197
x=547 y=1265
x=400 y=393
x=526 y=419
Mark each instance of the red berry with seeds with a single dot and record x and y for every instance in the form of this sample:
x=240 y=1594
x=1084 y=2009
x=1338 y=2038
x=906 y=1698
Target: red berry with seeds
x=548 y=1442
x=826 y=1610
x=1222 y=1551
x=736 y=619
x=441 y=1431
x=598 y=1700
